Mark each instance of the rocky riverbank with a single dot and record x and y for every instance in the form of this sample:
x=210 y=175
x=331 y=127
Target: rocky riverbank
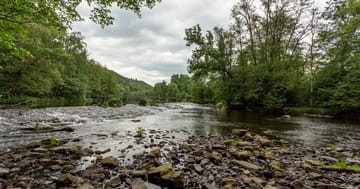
x=240 y=160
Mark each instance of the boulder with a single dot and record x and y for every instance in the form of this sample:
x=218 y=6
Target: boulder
x=241 y=155
x=246 y=165
x=239 y=132
x=168 y=177
x=156 y=153
x=198 y=168
x=138 y=184
x=4 y=171
x=110 y=162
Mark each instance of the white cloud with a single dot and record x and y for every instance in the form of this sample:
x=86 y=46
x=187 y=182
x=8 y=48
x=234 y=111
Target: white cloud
x=151 y=48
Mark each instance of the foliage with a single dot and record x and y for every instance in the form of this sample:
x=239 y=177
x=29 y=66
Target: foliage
x=113 y=102
x=142 y=102
x=36 y=127
x=140 y=132
x=60 y=14
x=59 y=73
x=53 y=141
x=280 y=57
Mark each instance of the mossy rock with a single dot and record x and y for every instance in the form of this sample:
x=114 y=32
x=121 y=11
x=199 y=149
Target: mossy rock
x=110 y=162
x=162 y=169
x=156 y=152
x=68 y=179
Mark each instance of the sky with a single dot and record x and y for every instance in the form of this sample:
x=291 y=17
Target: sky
x=151 y=48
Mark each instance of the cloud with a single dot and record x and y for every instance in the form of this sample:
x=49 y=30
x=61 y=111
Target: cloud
x=151 y=48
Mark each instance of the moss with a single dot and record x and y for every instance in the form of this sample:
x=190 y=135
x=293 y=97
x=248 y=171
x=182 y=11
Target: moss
x=333 y=148
x=268 y=154
x=235 y=141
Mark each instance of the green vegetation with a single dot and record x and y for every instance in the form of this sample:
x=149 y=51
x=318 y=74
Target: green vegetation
x=275 y=60
x=44 y=65
x=37 y=127
x=113 y=102
x=341 y=165
x=333 y=148
x=59 y=73
x=143 y=102
x=53 y=141
x=140 y=132
x=268 y=154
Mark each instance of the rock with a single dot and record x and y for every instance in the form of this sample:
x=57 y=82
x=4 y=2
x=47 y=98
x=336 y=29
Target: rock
x=85 y=186
x=215 y=157
x=241 y=155
x=135 y=120
x=68 y=179
x=66 y=129
x=115 y=182
x=156 y=153
x=327 y=186
x=138 y=173
x=138 y=184
x=285 y=116
x=297 y=184
x=163 y=169
x=330 y=159
x=239 y=132
x=246 y=164
x=4 y=171
x=227 y=180
x=66 y=149
x=198 y=168
x=40 y=149
x=169 y=177
x=263 y=141
x=138 y=155
x=257 y=180
x=270 y=187
x=208 y=186
x=218 y=146
x=175 y=179
x=111 y=162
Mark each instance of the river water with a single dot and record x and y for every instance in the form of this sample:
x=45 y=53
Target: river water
x=114 y=128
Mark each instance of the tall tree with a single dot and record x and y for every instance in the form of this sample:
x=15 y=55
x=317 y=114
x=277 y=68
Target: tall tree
x=15 y=14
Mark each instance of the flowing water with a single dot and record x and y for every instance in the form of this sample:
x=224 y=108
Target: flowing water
x=114 y=128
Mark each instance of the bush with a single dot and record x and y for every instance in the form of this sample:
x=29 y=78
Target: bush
x=113 y=102
x=142 y=102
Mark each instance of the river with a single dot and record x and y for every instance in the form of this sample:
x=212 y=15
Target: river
x=102 y=128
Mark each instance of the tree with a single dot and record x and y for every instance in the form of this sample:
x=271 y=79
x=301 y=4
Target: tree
x=160 y=90
x=172 y=92
x=16 y=14
x=338 y=80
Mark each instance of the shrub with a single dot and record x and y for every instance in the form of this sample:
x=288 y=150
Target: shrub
x=113 y=102
x=140 y=132
x=142 y=102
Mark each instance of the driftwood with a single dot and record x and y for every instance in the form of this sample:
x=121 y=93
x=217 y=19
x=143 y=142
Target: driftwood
x=15 y=105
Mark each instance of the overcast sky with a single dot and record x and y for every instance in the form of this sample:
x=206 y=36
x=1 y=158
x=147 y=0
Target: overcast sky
x=151 y=48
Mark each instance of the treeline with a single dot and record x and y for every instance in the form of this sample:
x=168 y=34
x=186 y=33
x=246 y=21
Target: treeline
x=281 y=54
x=57 y=71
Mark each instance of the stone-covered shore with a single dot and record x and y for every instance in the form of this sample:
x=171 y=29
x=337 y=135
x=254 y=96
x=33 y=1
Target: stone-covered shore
x=240 y=160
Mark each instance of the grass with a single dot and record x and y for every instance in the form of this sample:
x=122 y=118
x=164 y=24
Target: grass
x=53 y=141
x=333 y=148
x=268 y=154
x=36 y=127
x=235 y=141
x=140 y=132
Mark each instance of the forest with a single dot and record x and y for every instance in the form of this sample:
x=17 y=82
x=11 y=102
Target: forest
x=274 y=55
x=281 y=54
